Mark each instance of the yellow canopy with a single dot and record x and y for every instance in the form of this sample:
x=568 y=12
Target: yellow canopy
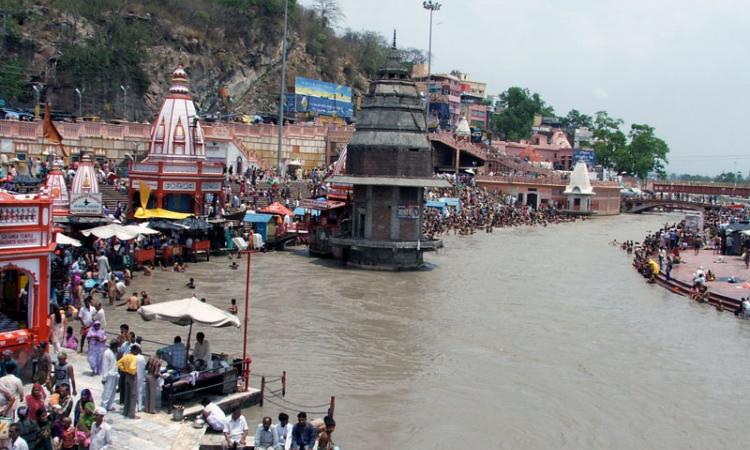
x=159 y=213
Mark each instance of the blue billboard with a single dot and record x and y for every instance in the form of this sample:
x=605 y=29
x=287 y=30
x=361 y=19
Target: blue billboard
x=587 y=156
x=321 y=98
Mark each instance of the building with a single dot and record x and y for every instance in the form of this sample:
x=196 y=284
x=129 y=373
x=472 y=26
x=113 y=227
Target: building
x=389 y=163
x=26 y=245
x=176 y=169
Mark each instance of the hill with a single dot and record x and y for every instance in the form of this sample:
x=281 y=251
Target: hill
x=227 y=47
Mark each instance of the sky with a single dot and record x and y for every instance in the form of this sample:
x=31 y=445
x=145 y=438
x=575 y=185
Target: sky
x=681 y=66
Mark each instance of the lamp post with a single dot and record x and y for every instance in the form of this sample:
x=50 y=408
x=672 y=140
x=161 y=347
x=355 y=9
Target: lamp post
x=37 y=93
x=283 y=87
x=245 y=358
x=125 y=100
x=79 y=93
x=431 y=6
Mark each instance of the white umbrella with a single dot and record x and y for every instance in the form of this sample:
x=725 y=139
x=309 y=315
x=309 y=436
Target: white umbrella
x=111 y=230
x=188 y=311
x=61 y=239
x=746 y=232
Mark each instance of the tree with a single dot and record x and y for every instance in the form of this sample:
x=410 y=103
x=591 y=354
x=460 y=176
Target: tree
x=514 y=122
x=12 y=79
x=575 y=120
x=645 y=153
x=329 y=12
x=609 y=140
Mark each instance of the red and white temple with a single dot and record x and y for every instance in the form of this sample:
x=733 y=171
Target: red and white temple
x=26 y=246
x=176 y=170
x=58 y=190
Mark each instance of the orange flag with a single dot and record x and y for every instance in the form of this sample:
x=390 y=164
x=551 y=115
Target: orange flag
x=50 y=132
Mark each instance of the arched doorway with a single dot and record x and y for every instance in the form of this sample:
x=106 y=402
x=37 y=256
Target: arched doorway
x=16 y=298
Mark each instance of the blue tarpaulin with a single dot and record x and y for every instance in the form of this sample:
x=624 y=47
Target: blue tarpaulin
x=258 y=218
x=300 y=211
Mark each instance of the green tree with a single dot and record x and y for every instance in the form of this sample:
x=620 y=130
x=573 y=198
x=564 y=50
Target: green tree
x=574 y=120
x=729 y=177
x=12 y=79
x=520 y=106
x=609 y=140
x=645 y=153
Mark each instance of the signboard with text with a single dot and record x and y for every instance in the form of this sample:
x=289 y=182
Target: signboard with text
x=587 y=156
x=86 y=204
x=408 y=211
x=20 y=239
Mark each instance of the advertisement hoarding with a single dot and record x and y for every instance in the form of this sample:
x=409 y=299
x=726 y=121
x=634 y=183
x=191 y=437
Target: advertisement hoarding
x=321 y=98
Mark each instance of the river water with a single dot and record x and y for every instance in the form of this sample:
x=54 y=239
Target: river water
x=529 y=338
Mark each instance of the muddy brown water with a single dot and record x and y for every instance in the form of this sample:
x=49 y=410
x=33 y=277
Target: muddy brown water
x=526 y=338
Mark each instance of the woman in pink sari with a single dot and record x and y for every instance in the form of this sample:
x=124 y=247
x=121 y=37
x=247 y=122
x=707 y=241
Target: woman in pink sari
x=97 y=344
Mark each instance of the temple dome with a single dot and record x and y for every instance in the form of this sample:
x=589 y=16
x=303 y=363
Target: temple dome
x=579 y=184
x=463 y=128
x=57 y=190
x=176 y=134
x=85 y=178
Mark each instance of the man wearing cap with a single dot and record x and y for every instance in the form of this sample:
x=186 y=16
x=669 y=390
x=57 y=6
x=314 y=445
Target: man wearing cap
x=101 y=432
x=128 y=366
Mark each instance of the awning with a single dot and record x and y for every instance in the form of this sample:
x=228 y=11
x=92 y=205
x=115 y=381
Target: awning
x=195 y=224
x=162 y=224
x=258 y=218
x=61 y=239
x=141 y=229
x=391 y=181
x=159 y=213
x=434 y=204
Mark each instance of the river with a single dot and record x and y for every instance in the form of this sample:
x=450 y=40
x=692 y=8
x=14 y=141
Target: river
x=529 y=338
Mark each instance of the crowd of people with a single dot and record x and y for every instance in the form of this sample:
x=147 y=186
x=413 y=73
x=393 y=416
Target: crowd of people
x=481 y=209
x=304 y=435
x=661 y=250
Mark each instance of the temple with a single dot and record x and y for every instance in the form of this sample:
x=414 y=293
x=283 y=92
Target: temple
x=26 y=245
x=579 y=191
x=58 y=190
x=388 y=163
x=176 y=169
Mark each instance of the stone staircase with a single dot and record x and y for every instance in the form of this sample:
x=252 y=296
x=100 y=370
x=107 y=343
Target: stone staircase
x=110 y=196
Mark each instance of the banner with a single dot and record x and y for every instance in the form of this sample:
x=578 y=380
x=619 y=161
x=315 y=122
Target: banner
x=587 y=156
x=321 y=98
x=86 y=204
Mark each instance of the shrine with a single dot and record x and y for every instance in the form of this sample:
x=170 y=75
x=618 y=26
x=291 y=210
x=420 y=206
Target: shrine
x=85 y=198
x=176 y=170
x=57 y=190
x=26 y=246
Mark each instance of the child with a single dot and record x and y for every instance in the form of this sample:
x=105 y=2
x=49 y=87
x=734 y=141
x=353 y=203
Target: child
x=233 y=307
x=71 y=341
x=191 y=284
x=69 y=434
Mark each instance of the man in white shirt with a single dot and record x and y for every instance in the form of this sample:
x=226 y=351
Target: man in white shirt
x=109 y=376
x=202 y=352
x=86 y=316
x=16 y=441
x=235 y=430
x=101 y=432
x=99 y=314
x=12 y=382
x=283 y=432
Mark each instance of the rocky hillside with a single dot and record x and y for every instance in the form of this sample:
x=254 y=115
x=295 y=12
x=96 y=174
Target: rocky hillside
x=230 y=48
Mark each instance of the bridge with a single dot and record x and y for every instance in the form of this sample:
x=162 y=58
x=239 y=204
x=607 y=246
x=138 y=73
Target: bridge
x=684 y=187
x=453 y=154
x=637 y=206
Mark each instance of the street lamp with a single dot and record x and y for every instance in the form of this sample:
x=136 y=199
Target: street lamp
x=37 y=93
x=79 y=93
x=283 y=87
x=432 y=7
x=125 y=100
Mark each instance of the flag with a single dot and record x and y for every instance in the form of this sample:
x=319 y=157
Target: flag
x=145 y=192
x=50 y=132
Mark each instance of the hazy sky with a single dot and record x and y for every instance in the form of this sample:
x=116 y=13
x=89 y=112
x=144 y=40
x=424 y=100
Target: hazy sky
x=681 y=66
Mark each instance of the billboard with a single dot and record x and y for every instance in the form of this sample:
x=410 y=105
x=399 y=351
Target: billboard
x=587 y=156
x=86 y=203
x=321 y=98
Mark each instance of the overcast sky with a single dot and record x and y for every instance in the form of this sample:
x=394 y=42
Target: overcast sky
x=681 y=66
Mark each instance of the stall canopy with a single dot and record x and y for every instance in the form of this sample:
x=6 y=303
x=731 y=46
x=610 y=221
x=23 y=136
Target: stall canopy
x=141 y=229
x=159 y=213
x=61 y=239
x=195 y=224
x=257 y=218
x=276 y=208
x=300 y=211
x=187 y=312
x=167 y=225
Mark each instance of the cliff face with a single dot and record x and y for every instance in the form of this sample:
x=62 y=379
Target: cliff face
x=231 y=50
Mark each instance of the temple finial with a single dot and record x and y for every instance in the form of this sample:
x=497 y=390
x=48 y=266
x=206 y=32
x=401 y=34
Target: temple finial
x=394 y=39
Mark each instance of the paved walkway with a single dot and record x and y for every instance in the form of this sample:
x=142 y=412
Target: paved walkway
x=150 y=432
x=733 y=266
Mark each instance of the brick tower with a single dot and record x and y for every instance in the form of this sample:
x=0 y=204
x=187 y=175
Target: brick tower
x=388 y=163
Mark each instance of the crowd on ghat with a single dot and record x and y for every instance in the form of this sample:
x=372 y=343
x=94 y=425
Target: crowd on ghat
x=481 y=209
x=661 y=250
